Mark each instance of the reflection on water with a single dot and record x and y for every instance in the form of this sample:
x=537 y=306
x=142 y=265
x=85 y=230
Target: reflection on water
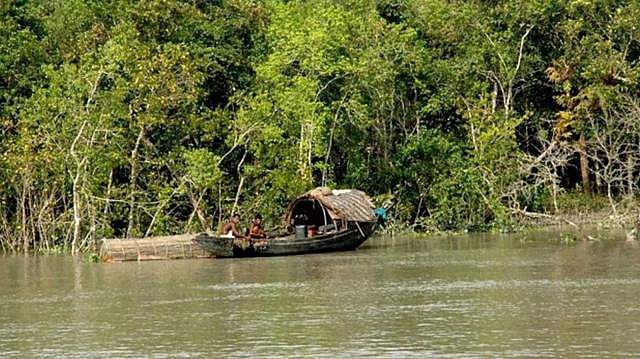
x=471 y=296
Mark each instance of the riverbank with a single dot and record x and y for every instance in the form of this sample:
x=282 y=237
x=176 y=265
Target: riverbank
x=580 y=218
x=584 y=218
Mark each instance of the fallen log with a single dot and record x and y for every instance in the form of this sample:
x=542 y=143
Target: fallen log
x=165 y=247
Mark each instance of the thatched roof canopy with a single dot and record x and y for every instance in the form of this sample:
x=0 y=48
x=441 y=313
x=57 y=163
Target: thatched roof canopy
x=350 y=204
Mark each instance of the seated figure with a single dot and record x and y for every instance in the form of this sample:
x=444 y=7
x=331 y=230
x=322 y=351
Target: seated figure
x=230 y=229
x=257 y=230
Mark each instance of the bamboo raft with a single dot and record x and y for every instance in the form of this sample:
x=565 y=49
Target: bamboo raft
x=181 y=246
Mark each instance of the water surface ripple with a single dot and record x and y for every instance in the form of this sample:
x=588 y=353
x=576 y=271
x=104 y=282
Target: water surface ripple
x=474 y=296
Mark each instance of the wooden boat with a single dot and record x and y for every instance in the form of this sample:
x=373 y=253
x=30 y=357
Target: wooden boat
x=320 y=220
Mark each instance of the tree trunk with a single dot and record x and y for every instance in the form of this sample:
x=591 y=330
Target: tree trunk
x=239 y=189
x=45 y=211
x=77 y=217
x=584 y=166
x=195 y=203
x=302 y=151
x=598 y=182
x=237 y=199
x=132 y=181
x=630 y=181
x=105 y=211
x=23 y=212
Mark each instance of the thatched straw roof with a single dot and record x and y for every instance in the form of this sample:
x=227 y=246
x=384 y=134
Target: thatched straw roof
x=348 y=204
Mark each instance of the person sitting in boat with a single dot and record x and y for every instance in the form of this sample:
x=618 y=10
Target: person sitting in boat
x=230 y=229
x=257 y=230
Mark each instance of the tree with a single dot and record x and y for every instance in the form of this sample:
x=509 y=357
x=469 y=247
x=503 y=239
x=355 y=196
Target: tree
x=594 y=66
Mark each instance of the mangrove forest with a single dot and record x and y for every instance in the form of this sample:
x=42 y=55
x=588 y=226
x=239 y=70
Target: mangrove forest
x=126 y=118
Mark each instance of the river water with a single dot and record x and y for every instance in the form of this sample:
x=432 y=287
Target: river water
x=522 y=295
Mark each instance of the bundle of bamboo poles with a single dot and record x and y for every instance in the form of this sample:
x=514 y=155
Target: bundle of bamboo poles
x=166 y=247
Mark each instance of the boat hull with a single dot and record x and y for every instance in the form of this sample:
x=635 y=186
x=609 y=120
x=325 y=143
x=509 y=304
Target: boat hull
x=348 y=239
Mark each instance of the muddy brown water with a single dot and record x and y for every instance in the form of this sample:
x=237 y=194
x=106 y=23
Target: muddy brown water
x=520 y=295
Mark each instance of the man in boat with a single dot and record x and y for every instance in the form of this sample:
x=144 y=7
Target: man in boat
x=230 y=228
x=257 y=230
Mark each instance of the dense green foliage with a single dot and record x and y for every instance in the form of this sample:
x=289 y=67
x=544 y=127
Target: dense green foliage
x=135 y=118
